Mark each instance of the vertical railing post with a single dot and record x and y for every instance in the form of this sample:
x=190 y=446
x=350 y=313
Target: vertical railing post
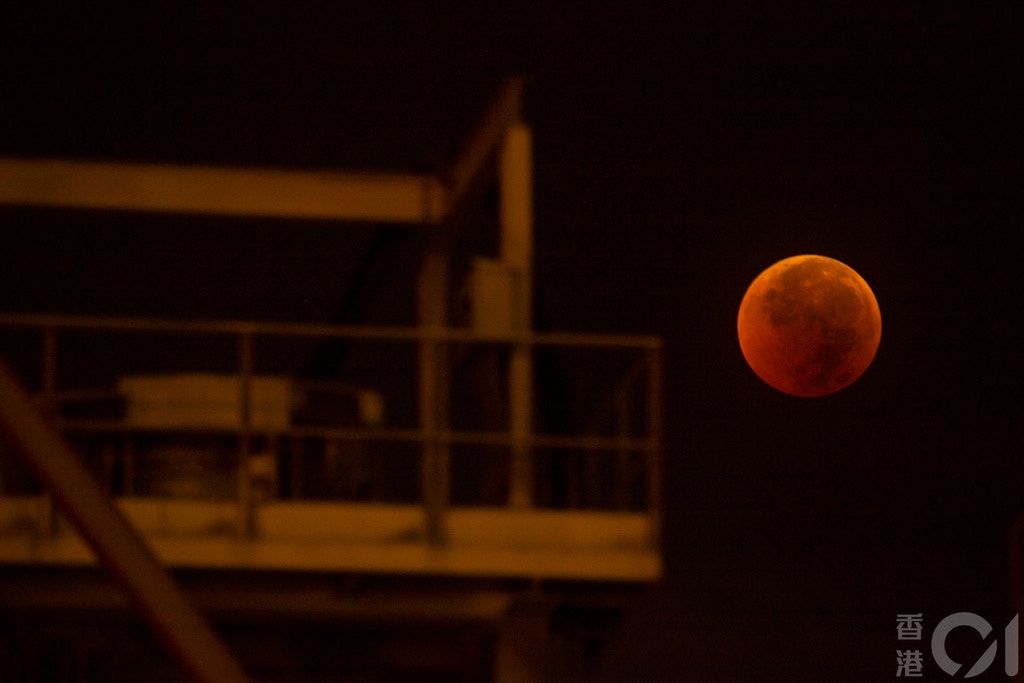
x=433 y=392
x=246 y=509
x=655 y=407
x=47 y=515
x=624 y=455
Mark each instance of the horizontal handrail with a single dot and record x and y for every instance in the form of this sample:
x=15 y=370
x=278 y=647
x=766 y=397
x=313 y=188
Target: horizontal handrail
x=454 y=438
x=324 y=330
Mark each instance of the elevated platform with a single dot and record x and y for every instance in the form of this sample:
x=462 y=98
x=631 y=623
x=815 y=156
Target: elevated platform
x=357 y=538
x=218 y=474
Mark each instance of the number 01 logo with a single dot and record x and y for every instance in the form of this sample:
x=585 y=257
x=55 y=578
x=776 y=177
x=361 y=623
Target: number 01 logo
x=972 y=620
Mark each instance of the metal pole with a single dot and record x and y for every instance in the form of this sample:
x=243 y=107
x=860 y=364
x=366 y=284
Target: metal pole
x=433 y=393
x=117 y=545
x=654 y=436
x=624 y=473
x=515 y=172
x=328 y=331
x=246 y=511
x=47 y=519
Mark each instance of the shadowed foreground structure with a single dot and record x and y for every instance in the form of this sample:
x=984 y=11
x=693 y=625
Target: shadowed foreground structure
x=423 y=539
x=680 y=148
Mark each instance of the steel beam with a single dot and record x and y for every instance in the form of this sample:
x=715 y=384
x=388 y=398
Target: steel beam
x=119 y=547
x=321 y=195
x=476 y=157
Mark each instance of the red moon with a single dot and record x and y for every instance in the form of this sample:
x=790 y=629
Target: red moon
x=809 y=325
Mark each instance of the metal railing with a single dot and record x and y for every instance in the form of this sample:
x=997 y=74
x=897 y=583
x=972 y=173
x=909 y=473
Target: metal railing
x=645 y=445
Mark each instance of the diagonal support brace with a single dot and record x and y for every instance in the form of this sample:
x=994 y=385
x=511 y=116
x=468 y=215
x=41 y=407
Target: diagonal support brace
x=119 y=547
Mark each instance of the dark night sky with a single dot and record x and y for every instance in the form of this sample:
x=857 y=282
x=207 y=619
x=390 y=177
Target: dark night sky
x=679 y=151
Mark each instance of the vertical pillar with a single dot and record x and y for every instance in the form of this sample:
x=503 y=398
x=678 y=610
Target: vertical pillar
x=246 y=510
x=47 y=515
x=516 y=242
x=433 y=368
x=624 y=471
x=654 y=444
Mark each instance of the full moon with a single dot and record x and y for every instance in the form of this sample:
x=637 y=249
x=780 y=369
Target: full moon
x=809 y=325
